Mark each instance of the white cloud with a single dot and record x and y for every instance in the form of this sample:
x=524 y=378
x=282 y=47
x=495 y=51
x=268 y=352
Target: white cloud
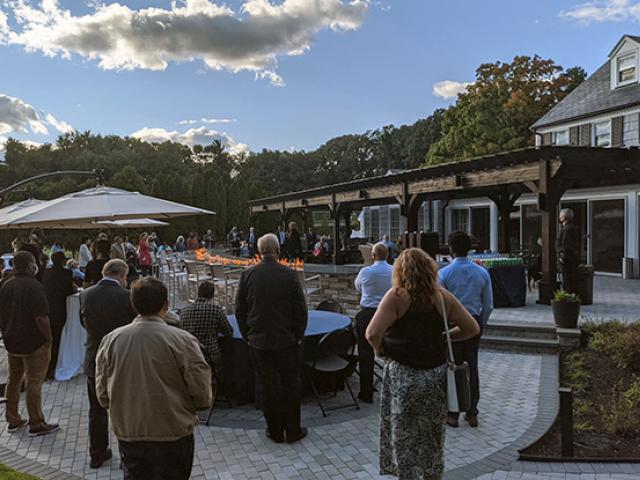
x=4 y=24
x=449 y=88
x=150 y=38
x=604 y=11
x=17 y=116
x=194 y=136
x=207 y=120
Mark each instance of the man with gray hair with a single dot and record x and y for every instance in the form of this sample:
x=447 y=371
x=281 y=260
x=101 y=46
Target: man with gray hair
x=372 y=283
x=271 y=311
x=103 y=308
x=568 y=251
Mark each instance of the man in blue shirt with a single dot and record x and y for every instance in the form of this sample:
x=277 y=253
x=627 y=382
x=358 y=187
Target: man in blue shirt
x=471 y=284
x=393 y=248
x=372 y=283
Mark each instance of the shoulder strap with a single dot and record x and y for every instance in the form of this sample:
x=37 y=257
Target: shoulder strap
x=446 y=328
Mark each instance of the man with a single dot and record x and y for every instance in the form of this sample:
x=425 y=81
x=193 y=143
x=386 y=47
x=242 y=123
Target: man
x=103 y=308
x=209 y=240
x=58 y=285
x=311 y=239
x=252 y=242
x=207 y=322
x=568 y=251
x=393 y=248
x=372 y=283
x=282 y=241
x=26 y=332
x=234 y=239
x=271 y=311
x=152 y=378
x=471 y=285
x=117 y=248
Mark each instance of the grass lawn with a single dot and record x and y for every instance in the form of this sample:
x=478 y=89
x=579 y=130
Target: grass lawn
x=8 y=474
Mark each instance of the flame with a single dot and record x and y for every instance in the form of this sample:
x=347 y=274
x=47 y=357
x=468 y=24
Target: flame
x=202 y=254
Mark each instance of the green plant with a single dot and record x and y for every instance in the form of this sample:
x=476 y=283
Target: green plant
x=564 y=296
x=619 y=341
x=620 y=413
x=578 y=377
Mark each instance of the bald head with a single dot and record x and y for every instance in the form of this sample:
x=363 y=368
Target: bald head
x=268 y=245
x=380 y=251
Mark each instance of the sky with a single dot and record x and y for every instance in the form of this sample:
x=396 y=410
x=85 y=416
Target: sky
x=275 y=74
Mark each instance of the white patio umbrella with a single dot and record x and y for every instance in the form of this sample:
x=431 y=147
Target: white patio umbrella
x=14 y=207
x=96 y=205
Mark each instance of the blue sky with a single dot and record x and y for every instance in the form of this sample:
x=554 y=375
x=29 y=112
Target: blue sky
x=376 y=66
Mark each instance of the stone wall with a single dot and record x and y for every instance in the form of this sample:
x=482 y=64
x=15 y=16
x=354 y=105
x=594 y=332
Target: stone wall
x=339 y=287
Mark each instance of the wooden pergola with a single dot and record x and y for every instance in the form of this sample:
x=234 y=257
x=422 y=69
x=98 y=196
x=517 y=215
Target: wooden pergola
x=546 y=171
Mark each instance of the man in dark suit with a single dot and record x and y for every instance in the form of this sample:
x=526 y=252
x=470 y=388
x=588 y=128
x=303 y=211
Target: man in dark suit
x=252 y=241
x=568 y=251
x=271 y=311
x=103 y=308
x=58 y=285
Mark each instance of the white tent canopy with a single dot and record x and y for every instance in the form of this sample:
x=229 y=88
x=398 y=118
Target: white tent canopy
x=14 y=207
x=99 y=204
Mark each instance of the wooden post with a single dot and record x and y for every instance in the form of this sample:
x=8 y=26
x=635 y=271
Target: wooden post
x=548 y=197
x=335 y=214
x=346 y=215
x=566 y=421
x=505 y=204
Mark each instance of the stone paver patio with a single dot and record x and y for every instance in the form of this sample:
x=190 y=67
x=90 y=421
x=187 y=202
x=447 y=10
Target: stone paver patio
x=613 y=297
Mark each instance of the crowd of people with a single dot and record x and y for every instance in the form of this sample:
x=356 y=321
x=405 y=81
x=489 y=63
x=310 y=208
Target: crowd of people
x=150 y=371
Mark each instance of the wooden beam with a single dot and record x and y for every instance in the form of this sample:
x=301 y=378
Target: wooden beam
x=531 y=186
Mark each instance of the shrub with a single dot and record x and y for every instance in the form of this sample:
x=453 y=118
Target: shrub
x=620 y=342
x=620 y=414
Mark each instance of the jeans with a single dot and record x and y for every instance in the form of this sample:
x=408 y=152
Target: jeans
x=157 y=460
x=366 y=356
x=467 y=351
x=33 y=366
x=98 y=424
x=278 y=377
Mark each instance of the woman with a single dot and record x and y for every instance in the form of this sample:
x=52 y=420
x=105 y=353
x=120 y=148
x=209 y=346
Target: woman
x=58 y=285
x=408 y=330
x=93 y=271
x=180 y=245
x=85 y=253
x=144 y=255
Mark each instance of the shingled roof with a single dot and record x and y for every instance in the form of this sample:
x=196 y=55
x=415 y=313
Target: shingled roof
x=591 y=97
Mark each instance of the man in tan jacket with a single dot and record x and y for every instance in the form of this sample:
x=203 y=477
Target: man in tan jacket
x=152 y=378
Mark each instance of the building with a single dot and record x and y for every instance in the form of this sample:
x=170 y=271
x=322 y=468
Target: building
x=604 y=111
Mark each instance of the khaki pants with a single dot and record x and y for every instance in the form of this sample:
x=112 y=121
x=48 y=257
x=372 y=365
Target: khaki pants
x=33 y=366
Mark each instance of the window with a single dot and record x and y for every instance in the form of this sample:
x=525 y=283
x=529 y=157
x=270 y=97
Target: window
x=626 y=69
x=384 y=222
x=630 y=133
x=561 y=137
x=602 y=134
x=394 y=230
x=460 y=220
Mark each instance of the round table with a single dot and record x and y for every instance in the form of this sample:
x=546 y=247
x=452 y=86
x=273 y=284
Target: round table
x=320 y=323
x=239 y=380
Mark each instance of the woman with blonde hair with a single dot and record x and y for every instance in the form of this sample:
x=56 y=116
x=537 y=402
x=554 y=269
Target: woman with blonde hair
x=408 y=331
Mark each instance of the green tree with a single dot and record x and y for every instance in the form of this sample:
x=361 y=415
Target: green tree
x=495 y=112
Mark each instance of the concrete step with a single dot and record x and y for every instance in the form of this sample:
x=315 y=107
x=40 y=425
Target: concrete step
x=521 y=330
x=519 y=344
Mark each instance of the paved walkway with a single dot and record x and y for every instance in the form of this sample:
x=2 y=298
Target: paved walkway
x=613 y=297
x=517 y=405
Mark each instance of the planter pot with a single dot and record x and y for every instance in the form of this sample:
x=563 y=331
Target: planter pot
x=565 y=314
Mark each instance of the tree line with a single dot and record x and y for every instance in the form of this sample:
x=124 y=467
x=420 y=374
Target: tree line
x=492 y=115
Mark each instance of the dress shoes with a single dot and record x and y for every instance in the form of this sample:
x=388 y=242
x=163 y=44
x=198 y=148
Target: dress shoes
x=452 y=420
x=472 y=420
x=274 y=438
x=97 y=462
x=294 y=438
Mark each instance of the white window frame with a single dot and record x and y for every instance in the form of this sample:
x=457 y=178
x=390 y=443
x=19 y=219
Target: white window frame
x=634 y=56
x=555 y=137
x=594 y=135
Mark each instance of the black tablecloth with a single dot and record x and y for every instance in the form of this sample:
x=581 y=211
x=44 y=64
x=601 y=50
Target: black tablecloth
x=239 y=380
x=509 y=285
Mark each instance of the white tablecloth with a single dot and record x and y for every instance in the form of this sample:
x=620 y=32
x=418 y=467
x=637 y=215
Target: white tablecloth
x=72 y=347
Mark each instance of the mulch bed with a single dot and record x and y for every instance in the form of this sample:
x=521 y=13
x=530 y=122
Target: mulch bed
x=592 y=438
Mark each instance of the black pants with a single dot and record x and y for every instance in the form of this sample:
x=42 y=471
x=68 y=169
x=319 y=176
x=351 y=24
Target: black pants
x=278 y=378
x=467 y=351
x=157 y=460
x=56 y=334
x=366 y=356
x=98 y=424
x=570 y=279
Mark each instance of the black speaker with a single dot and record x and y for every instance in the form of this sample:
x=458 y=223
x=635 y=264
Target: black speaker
x=429 y=242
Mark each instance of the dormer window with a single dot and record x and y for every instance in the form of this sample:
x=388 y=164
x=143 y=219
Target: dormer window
x=626 y=69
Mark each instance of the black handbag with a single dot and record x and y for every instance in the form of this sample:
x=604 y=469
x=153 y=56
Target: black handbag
x=458 y=387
